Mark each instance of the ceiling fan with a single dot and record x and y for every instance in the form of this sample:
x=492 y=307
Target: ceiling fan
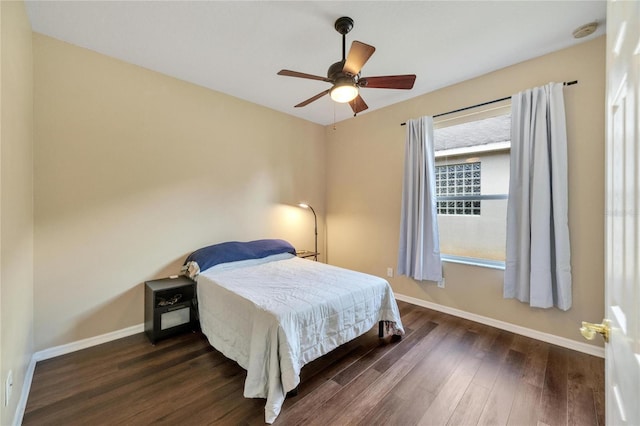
x=345 y=76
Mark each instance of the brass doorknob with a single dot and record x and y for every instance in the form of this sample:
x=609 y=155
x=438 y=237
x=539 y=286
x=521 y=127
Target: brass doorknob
x=589 y=330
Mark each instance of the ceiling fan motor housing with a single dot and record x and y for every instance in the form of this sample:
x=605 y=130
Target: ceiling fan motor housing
x=335 y=70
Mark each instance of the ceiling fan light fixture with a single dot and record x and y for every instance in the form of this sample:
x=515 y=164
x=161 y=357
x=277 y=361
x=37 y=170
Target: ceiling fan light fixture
x=344 y=92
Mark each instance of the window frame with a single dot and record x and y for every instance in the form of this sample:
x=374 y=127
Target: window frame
x=447 y=155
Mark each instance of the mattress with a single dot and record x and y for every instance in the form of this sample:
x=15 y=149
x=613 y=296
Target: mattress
x=274 y=315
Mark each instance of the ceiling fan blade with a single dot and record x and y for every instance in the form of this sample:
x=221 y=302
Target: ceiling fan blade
x=388 y=82
x=314 y=98
x=289 y=73
x=358 y=104
x=358 y=55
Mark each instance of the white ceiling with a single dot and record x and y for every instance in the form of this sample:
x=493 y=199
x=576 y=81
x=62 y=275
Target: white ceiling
x=237 y=47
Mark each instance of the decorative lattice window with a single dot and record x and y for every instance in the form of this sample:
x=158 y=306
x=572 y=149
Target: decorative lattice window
x=456 y=184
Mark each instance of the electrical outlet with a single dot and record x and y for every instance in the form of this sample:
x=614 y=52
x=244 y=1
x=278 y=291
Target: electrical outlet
x=390 y=272
x=441 y=283
x=8 y=385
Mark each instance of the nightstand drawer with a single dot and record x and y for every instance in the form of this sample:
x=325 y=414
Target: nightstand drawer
x=174 y=316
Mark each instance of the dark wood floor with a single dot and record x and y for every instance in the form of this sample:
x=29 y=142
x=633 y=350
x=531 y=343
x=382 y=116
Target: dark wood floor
x=445 y=371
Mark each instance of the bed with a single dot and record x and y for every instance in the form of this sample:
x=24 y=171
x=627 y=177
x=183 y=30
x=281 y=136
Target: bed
x=273 y=312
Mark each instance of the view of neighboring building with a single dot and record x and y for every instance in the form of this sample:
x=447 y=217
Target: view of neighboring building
x=472 y=182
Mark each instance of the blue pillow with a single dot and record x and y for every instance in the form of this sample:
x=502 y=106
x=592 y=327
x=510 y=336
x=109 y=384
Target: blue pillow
x=232 y=251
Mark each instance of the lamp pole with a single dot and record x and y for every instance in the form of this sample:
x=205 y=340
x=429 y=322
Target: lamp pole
x=315 y=222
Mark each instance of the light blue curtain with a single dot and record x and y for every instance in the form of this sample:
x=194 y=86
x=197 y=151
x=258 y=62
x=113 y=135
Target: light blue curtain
x=419 y=252
x=538 y=258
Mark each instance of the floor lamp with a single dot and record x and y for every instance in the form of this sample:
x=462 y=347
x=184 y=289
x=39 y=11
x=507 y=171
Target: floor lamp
x=315 y=219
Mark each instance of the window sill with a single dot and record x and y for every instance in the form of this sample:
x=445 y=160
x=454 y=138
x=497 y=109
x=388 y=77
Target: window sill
x=483 y=263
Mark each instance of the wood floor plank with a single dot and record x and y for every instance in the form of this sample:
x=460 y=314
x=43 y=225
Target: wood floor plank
x=334 y=409
x=446 y=370
x=342 y=358
x=496 y=411
x=104 y=388
x=489 y=336
x=596 y=368
x=554 y=392
x=470 y=406
x=412 y=396
x=64 y=387
x=525 y=405
x=404 y=346
x=580 y=399
x=469 y=409
x=448 y=397
x=453 y=393
x=307 y=406
x=376 y=401
x=520 y=344
x=383 y=349
x=535 y=363
x=488 y=371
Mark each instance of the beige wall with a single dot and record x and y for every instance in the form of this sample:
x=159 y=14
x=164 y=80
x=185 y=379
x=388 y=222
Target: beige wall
x=134 y=170
x=16 y=201
x=364 y=183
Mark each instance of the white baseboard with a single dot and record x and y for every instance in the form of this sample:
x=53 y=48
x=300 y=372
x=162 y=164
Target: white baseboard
x=534 y=334
x=87 y=343
x=63 y=350
x=26 y=387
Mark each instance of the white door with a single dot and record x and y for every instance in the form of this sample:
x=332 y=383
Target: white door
x=622 y=286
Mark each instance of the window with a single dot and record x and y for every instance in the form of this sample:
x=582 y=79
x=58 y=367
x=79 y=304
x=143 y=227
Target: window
x=456 y=180
x=472 y=185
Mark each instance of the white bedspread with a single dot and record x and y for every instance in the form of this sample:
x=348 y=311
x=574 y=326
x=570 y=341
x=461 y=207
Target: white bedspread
x=274 y=315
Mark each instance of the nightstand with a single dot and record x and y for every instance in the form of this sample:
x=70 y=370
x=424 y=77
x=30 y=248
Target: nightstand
x=306 y=254
x=169 y=307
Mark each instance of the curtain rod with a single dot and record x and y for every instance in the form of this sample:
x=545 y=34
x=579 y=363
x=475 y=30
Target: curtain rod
x=566 y=83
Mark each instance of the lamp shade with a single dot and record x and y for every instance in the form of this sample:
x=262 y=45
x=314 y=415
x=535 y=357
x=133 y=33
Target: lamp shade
x=344 y=92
